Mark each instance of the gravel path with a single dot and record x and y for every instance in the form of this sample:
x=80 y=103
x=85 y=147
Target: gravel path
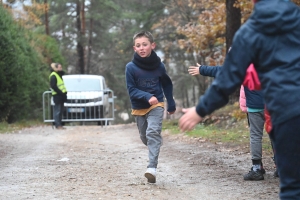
x=92 y=162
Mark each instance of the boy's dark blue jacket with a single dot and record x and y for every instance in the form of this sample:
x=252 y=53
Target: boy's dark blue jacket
x=270 y=39
x=145 y=82
x=254 y=99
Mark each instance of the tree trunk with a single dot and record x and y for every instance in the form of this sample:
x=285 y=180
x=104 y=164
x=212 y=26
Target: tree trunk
x=194 y=95
x=46 y=18
x=82 y=17
x=63 y=31
x=233 y=21
x=187 y=96
x=82 y=32
x=80 y=49
x=89 y=46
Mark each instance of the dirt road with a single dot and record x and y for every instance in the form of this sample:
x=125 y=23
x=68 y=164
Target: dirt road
x=91 y=162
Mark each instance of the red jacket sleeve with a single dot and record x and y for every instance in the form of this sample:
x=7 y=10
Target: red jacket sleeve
x=251 y=80
x=268 y=124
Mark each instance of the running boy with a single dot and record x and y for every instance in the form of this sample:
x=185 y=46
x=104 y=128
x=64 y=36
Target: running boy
x=147 y=83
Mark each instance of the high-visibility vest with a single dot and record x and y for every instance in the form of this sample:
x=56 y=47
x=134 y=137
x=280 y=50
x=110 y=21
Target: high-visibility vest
x=59 y=82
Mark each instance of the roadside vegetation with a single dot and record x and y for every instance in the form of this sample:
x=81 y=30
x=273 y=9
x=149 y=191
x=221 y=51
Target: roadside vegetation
x=79 y=35
x=19 y=125
x=24 y=69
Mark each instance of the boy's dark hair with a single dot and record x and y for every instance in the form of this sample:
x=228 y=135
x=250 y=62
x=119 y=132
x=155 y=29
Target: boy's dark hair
x=146 y=34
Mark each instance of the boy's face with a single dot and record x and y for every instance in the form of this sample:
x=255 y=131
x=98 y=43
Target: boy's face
x=143 y=47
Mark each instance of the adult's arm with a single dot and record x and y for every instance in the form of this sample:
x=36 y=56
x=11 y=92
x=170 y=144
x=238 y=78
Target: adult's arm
x=228 y=79
x=209 y=70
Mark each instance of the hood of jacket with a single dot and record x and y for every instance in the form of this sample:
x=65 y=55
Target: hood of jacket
x=274 y=16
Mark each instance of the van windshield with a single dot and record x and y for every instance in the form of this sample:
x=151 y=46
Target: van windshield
x=82 y=84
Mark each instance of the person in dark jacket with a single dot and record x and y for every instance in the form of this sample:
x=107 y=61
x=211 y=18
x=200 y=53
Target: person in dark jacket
x=255 y=115
x=59 y=93
x=147 y=83
x=270 y=39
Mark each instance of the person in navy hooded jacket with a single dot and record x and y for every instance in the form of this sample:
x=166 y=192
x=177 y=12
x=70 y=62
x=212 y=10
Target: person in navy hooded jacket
x=256 y=120
x=147 y=83
x=270 y=39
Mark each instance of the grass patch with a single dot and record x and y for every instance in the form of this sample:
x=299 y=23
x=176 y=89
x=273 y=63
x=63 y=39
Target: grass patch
x=213 y=133
x=223 y=127
x=7 y=128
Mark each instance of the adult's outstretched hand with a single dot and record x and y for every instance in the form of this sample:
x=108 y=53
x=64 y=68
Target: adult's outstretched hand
x=189 y=119
x=193 y=70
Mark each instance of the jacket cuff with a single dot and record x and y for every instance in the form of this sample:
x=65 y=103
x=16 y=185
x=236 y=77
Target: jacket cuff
x=171 y=108
x=201 y=110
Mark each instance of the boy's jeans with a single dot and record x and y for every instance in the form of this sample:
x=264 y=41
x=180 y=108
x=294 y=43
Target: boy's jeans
x=286 y=137
x=58 y=111
x=150 y=126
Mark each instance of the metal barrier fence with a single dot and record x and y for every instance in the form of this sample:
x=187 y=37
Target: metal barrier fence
x=83 y=106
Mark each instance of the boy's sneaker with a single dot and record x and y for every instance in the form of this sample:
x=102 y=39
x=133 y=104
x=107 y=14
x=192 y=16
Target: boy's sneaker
x=150 y=174
x=254 y=176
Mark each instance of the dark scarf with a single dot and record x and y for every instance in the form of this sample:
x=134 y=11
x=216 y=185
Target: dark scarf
x=61 y=73
x=149 y=63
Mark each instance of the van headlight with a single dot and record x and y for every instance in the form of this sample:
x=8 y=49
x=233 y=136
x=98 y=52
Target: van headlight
x=97 y=99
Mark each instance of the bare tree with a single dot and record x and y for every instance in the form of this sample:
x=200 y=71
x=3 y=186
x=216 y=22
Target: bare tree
x=80 y=49
x=233 y=21
x=89 y=46
x=46 y=18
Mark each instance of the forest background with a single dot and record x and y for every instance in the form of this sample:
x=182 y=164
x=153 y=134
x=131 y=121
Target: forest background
x=95 y=37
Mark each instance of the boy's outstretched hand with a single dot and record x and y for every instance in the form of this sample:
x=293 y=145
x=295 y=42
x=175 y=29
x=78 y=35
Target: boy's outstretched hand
x=189 y=120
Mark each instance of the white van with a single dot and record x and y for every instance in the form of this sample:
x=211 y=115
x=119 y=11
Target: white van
x=88 y=97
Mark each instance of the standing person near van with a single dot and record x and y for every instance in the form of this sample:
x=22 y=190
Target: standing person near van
x=255 y=113
x=147 y=83
x=270 y=40
x=59 y=93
